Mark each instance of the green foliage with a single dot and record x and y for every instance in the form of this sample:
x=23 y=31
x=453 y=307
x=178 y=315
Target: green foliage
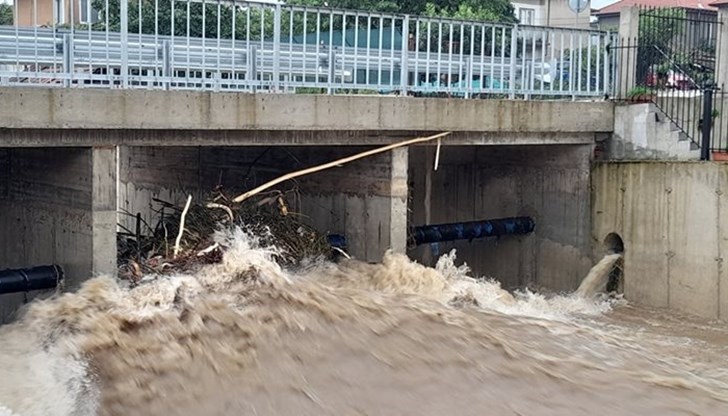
x=150 y=16
x=639 y=91
x=491 y=11
x=145 y=16
x=367 y=5
x=662 y=48
x=6 y=14
x=660 y=26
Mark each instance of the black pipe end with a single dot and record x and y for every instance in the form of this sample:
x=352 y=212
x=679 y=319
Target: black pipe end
x=36 y=278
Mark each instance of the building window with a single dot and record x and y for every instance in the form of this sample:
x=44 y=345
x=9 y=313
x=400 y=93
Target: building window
x=87 y=14
x=59 y=10
x=526 y=16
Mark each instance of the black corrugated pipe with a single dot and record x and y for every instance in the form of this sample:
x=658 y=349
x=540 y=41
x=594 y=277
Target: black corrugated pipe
x=25 y=280
x=470 y=230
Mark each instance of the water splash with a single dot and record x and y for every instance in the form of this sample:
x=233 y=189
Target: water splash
x=597 y=278
x=248 y=337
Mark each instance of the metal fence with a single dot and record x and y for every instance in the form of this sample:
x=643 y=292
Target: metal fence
x=714 y=124
x=253 y=46
x=671 y=64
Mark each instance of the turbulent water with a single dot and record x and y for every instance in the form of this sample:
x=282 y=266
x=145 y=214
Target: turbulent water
x=246 y=337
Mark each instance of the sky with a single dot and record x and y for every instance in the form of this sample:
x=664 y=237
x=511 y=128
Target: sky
x=598 y=4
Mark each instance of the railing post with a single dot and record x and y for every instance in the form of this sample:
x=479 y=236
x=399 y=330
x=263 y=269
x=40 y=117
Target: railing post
x=707 y=122
x=332 y=70
x=404 y=66
x=124 y=20
x=166 y=62
x=610 y=42
x=68 y=59
x=469 y=76
x=252 y=67
x=277 y=47
x=629 y=26
x=514 y=51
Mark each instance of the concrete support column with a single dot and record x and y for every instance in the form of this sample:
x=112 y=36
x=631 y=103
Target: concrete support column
x=629 y=26
x=103 y=209
x=398 y=200
x=722 y=46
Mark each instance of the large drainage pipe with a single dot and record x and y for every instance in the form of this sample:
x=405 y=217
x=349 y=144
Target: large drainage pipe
x=25 y=280
x=437 y=233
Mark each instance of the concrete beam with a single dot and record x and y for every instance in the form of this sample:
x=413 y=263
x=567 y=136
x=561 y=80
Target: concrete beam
x=85 y=138
x=53 y=108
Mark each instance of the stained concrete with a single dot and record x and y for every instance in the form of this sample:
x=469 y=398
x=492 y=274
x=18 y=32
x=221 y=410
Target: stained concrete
x=175 y=138
x=670 y=216
x=54 y=108
x=643 y=132
x=365 y=200
x=58 y=206
x=548 y=183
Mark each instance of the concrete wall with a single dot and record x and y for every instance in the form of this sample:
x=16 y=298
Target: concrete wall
x=562 y=16
x=643 y=132
x=549 y=183
x=671 y=218
x=365 y=200
x=57 y=206
x=44 y=214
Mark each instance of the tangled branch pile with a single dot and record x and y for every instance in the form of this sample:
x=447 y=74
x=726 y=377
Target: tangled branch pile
x=267 y=216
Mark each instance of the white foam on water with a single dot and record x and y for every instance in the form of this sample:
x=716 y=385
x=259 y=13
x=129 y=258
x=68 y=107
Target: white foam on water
x=197 y=343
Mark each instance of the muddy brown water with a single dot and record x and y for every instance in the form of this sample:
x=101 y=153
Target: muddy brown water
x=248 y=338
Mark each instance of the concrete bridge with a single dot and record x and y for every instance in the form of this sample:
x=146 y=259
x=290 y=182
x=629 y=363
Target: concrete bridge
x=72 y=159
x=98 y=119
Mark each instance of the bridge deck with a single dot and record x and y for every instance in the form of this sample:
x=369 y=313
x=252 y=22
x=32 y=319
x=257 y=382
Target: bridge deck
x=93 y=117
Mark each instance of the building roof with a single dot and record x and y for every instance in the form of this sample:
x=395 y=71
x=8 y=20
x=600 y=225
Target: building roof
x=683 y=4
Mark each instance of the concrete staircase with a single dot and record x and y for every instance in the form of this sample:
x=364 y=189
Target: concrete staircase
x=644 y=132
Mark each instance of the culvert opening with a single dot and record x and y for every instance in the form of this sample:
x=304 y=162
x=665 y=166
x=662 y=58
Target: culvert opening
x=614 y=244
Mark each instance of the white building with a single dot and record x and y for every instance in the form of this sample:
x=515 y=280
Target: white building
x=550 y=13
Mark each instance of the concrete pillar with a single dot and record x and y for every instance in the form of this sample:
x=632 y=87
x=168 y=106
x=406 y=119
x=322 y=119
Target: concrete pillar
x=722 y=45
x=398 y=200
x=629 y=26
x=104 y=209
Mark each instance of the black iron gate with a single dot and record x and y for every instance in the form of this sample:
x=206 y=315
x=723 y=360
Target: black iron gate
x=673 y=65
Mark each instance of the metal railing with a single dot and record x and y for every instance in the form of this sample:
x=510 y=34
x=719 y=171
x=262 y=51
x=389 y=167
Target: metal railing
x=671 y=64
x=253 y=46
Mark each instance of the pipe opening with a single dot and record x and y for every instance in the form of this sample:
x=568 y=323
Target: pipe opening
x=614 y=244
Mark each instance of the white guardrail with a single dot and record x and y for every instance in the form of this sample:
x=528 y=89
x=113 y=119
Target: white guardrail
x=253 y=46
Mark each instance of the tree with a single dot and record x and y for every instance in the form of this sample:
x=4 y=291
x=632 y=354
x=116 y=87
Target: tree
x=6 y=14
x=490 y=11
x=661 y=46
x=196 y=19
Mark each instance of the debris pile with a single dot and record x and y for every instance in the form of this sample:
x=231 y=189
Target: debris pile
x=162 y=249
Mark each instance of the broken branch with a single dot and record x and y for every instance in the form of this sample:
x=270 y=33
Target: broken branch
x=243 y=197
x=181 y=226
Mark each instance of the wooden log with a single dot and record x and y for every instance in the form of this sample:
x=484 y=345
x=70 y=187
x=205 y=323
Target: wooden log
x=335 y=163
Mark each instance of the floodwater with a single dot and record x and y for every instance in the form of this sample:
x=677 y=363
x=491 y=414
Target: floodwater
x=247 y=338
